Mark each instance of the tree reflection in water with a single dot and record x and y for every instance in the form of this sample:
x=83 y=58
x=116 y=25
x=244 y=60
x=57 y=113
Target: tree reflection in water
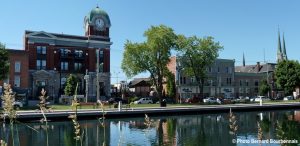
x=288 y=129
x=190 y=130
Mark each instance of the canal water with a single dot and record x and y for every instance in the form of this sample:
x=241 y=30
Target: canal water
x=271 y=128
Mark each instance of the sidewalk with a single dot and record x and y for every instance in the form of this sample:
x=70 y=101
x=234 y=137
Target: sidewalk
x=153 y=111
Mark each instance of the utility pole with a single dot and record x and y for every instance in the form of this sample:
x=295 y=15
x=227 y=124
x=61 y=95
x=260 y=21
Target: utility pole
x=268 y=78
x=117 y=76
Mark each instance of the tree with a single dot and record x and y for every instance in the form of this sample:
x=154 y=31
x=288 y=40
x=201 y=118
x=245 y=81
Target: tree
x=196 y=55
x=287 y=75
x=171 y=87
x=4 y=64
x=151 y=55
x=71 y=85
x=264 y=87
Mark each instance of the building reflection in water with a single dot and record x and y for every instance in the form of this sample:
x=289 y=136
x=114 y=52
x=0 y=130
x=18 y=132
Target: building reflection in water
x=205 y=129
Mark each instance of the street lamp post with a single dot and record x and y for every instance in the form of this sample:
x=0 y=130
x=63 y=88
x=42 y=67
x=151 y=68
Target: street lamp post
x=97 y=75
x=179 y=67
x=86 y=77
x=59 y=70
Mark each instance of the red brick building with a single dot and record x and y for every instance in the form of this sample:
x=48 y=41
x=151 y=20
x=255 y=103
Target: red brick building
x=18 y=70
x=54 y=56
x=49 y=58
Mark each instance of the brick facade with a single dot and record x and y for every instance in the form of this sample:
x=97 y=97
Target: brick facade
x=20 y=56
x=49 y=58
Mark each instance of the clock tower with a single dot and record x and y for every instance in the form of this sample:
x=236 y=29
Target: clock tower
x=97 y=23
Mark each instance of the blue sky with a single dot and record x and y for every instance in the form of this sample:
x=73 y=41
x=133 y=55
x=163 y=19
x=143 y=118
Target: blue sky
x=249 y=26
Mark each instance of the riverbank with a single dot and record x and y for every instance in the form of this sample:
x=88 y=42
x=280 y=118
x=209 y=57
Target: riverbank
x=59 y=115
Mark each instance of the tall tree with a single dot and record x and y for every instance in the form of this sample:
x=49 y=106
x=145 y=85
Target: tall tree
x=150 y=56
x=71 y=85
x=264 y=87
x=196 y=55
x=4 y=63
x=287 y=75
x=171 y=86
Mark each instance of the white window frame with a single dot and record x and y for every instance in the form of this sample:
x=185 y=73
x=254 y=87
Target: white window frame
x=17 y=66
x=17 y=81
x=41 y=64
x=64 y=65
x=41 y=50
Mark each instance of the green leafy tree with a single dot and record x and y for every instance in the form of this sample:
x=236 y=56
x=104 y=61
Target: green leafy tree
x=264 y=87
x=196 y=55
x=287 y=75
x=4 y=63
x=171 y=87
x=151 y=55
x=71 y=85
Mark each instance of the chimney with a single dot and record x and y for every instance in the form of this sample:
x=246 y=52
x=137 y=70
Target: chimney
x=258 y=66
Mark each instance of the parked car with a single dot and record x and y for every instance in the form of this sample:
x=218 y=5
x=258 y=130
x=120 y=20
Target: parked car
x=252 y=98
x=167 y=100
x=143 y=101
x=116 y=100
x=193 y=100
x=263 y=98
x=16 y=104
x=288 y=98
x=210 y=100
x=227 y=101
x=220 y=101
x=242 y=100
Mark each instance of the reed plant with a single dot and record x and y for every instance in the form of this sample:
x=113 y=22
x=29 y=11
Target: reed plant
x=8 y=108
x=3 y=143
x=279 y=130
x=76 y=125
x=101 y=121
x=148 y=122
x=43 y=108
x=9 y=112
x=233 y=126
x=259 y=131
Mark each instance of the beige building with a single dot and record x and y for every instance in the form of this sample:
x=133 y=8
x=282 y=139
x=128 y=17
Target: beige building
x=220 y=81
x=248 y=77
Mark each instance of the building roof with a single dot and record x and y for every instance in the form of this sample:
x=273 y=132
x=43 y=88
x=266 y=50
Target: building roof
x=43 y=34
x=137 y=81
x=67 y=40
x=258 y=68
x=16 y=51
x=224 y=60
x=97 y=12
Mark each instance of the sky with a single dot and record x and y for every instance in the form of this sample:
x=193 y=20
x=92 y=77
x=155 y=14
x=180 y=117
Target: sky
x=241 y=26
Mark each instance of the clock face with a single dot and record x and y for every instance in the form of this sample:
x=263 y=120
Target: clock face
x=99 y=23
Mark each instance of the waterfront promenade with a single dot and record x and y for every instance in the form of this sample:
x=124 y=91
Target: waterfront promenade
x=154 y=111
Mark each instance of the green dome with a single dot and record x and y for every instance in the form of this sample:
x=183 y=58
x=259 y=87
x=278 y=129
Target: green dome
x=97 y=12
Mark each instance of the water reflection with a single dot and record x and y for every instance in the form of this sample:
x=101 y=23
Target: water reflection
x=206 y=129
